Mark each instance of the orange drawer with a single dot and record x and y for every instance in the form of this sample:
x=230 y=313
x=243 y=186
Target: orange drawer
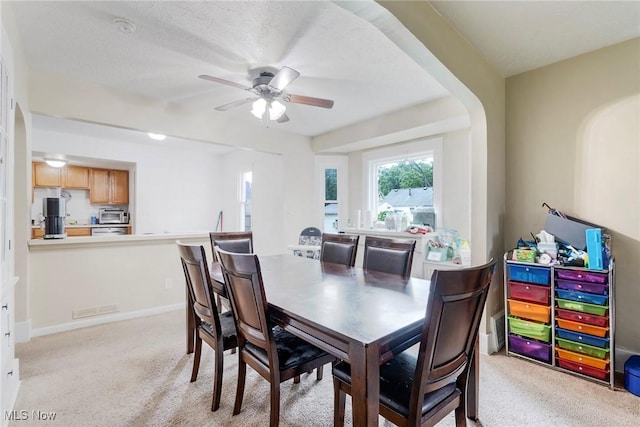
x=582 y=327
x=581 y=358
x=527 y=310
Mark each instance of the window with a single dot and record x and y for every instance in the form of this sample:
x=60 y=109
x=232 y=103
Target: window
x=331 y=200
x=245 y=200
x=331 y=190
x=403 y=185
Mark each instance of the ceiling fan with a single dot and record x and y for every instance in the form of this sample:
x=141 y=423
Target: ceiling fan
x=269 y=88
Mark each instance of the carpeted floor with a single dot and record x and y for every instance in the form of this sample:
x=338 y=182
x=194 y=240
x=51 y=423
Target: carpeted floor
x=136 y=373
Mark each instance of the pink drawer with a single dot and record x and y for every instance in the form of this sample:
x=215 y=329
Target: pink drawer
x=529 y=292
x=582 y=276
x=577 y=316
x=600 y=374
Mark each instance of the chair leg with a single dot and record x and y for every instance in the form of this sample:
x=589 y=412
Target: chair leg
x=242 y=372
x=296 y=379
x=196 y=358
x=339 y=402
x=319 y=373
x=461 y=410
x=217 y=377
x=274 y=419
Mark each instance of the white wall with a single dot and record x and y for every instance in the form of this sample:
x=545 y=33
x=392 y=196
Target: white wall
x=174 y=190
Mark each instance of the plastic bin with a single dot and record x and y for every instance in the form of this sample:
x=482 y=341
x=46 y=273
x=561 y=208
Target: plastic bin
x=582 y=276
x=582 y=358
x=599 y=310
x=578 y=316
x=594 y=288
x=600 y=374
x=582 y=297
x=585 y=338
x=530 y=348
x=523 y=273
x=530 y=311
x=529 y=292
x=632 y=375
x=582 y=328
x=525 y=328
x=589 y=350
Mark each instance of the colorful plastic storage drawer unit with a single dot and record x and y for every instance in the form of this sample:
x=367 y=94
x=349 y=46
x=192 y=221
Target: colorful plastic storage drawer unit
x=526 y=310
x=581 y=358
x=523 y=273
x=528 y=292
x=524 y=328
x=599 y=310
x=583 y=328
x=582 y=297
x=589 y=350
x=594 y=288
x=582 y=276
x=530 y=348
x=585 y=338
x=578 y=316
x=600 y=374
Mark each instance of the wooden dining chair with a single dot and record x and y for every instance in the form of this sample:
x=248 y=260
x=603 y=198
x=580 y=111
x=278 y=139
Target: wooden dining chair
x=216 y=329
x=393 y=256
x=232 y=241
x=339 y=248
x=274 y=353
x=421 y=390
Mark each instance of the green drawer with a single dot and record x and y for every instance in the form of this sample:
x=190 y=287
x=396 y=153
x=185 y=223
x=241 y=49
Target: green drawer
x=524 y=328
x=589 y=350
x=600 y=310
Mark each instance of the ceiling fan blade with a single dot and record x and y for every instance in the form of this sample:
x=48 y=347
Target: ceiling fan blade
x=309 y=100
x=282 y=79
x=234 y=104
x=283 y=119
x=223 y=81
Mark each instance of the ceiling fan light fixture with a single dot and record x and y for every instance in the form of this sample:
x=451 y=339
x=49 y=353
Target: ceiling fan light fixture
x=259 y=107
x=276 y=110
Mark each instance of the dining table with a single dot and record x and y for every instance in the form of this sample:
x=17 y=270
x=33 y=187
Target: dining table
x=360 y=316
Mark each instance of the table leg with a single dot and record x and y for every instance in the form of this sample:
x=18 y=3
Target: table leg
x=473 y=384
x=365 y=385
x=191 y=324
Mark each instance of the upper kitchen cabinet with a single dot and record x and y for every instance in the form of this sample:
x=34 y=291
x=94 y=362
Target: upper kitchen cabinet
x=109 y=186
x=67 y=177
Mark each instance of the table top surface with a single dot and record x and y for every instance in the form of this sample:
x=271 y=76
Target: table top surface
x=365 y=306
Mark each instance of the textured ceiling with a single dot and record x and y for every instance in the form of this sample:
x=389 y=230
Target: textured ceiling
x=339 y=55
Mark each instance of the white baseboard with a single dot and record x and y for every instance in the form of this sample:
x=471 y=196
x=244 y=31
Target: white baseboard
x=103 y=319
x=486 y=343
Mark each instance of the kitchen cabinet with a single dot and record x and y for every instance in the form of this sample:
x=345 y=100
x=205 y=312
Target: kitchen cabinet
x=75 y=177
x=562 y=317
x=70 y=176
x=38 y=233
x=109 y=186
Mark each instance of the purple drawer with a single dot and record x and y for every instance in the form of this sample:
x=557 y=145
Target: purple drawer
x=582 y=276
x=530 y=348
x=594 y=288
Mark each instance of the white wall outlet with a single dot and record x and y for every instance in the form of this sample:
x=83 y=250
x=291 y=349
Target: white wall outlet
x=168 y=283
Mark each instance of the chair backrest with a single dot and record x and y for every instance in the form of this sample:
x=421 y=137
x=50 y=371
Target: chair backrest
x=454 y=308
x=196 y=274
x=393 y=256
x=243 y=281
x=310 y=236
x=339 y=248
x=232 y=241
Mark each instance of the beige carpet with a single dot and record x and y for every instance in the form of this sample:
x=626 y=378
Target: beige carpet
x=136 y=373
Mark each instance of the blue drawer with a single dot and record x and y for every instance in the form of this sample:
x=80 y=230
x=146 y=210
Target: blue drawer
x=524 y=273
x=583 y=338
x=582 y=297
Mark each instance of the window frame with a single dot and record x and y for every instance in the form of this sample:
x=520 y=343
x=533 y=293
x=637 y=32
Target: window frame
x=340 y=163
x=428 y=147
x=242 y=193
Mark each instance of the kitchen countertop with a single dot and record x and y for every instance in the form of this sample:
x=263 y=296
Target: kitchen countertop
x=114 y=240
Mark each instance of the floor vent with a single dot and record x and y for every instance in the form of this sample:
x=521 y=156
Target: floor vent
x=497 y=324
x=95 y=311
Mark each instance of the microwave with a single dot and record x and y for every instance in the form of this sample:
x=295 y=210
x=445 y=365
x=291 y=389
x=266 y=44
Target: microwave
x=113 y=216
